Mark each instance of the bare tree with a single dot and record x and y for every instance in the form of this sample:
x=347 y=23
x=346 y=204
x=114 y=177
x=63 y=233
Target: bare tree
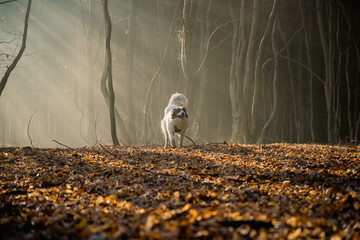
x=187 y=42
x=21 y=51
x=88 y=16
x=328 y=54
x=275 y=84
x=240 y=129
x=307 y=38
x=257 y=89
x=107 y=72
x=130 y=48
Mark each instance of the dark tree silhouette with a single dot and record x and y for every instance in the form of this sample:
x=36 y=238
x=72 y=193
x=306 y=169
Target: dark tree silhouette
x=12 y=66
x=107 y=73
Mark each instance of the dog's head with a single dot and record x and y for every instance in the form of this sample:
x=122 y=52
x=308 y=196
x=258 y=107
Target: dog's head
x=179 y=112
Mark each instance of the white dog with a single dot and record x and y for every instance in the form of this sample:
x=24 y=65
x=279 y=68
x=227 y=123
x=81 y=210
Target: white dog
x=176 y=119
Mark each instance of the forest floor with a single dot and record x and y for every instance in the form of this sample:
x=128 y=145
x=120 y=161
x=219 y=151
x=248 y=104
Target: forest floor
x=286 y=191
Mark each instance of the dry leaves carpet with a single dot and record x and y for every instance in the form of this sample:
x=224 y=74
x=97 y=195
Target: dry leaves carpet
x=286 y=191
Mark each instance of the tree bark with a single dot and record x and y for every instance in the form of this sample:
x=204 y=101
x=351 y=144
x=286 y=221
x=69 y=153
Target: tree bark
x=233 y=80
x=275 y=86
x=107 y=72
x=246 y=93
x=327 y=54
x=256 y=122
x=130 y=48
x=201 y=74
x=8 y=71
x=88 y=16
x=187 y=39
x=307 y=32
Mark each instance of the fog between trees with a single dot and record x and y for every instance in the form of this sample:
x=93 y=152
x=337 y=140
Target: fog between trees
x=253 y=71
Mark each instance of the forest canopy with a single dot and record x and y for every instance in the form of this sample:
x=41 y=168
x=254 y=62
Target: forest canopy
x=253 y=71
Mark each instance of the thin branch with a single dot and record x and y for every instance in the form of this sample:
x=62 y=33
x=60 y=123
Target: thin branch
x=190 y=140
x=28 y=130
x=7 y=42
x=7 y=1
x=208 y=42
x=7 y=55
x=281 y=50
x=83 y=18
x=220 y=42
x=62 y=144
x=304 y=66
x=95 y=131
x=103 y=147
x=292 y=60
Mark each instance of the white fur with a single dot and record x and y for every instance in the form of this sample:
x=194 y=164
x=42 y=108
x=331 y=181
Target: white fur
x=178 y=99
x=169 y=124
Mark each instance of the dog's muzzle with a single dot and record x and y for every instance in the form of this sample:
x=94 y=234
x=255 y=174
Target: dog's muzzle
x=181 y=115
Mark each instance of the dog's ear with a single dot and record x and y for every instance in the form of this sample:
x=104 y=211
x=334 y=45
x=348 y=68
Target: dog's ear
x=174 y=113
x=186 y=115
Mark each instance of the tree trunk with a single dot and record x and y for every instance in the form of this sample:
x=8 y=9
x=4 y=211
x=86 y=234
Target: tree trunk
x=294 y=93
x=201 y=74
x=327 y=48
x=91 y=134
x=233 y=79
x=307 y=29
x=337 y=80
x=107 y=73
x=275 y=85
x=187 y=57
x=255 y=106
x=246 y=93
x=240 y=127
x=356 y=101
x=8 y=71
x=131 y=33
x=88 y=24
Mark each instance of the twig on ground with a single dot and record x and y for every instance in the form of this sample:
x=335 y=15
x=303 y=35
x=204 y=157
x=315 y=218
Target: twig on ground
x=62 y=144
x=103 y=147
x=191 y=140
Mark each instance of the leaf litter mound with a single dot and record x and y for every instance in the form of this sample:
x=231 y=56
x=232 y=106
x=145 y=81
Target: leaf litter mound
x=286 y=191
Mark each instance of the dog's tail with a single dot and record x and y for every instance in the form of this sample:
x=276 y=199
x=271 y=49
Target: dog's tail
x=178 y=99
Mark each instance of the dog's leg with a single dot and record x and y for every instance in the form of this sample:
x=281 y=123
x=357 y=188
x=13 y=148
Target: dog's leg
x=181 y=140
x=171 y=133
x=165 y=132
x=172 y=139
x=166 y=139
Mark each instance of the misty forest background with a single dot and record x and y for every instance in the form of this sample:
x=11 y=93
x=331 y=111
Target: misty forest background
x=254 y=71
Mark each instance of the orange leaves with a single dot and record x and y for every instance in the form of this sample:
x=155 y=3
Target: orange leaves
x=286 y=191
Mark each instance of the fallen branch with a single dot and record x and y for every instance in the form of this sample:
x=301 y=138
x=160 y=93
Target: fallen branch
x=190 y=140
x=103 y=147
x=62 y=144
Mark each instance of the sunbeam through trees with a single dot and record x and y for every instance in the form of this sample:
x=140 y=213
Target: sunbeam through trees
x=265 y=95
x=253 y=71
